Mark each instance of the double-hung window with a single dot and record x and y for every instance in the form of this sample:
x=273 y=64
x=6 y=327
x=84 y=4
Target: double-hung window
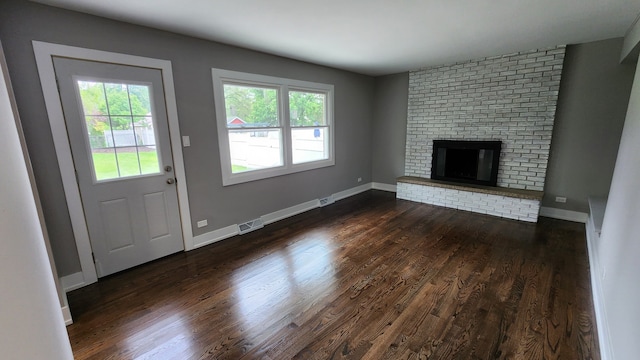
x=270 y=126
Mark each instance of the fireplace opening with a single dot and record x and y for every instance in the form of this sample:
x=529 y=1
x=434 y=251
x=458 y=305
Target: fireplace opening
x=471 y=162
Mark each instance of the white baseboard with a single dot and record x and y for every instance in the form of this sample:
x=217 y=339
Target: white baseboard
x=232 y=230
x=290 y=211
x=66 y=314
x=215 y=236
x=350 y=192
x=309 y=205
x=604 y=339
x=562 y=214
x=384 y=187
x=72 y=281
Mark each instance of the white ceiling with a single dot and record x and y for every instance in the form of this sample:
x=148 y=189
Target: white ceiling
x=377 y=37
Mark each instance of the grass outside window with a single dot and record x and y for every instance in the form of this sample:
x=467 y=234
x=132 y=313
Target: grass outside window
x=106 y=167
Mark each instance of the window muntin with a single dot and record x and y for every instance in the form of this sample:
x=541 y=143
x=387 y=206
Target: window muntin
x=270 y=126
x=119 y=126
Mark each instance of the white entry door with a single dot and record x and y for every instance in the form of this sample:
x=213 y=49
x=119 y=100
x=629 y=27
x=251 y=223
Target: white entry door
x=118 y=131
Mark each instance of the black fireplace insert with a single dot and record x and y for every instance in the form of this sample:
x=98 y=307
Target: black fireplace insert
x=471 y=162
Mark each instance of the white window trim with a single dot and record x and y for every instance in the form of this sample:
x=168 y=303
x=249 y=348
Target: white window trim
x=220 y=76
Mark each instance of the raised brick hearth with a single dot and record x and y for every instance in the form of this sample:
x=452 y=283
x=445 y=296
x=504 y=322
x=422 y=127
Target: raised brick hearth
x=503 y=202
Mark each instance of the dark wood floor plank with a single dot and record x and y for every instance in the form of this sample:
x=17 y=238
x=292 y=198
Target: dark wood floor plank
x=369 y=277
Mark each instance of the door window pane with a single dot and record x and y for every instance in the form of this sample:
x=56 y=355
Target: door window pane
x=93 y=99
x=140 y=101
x=105 y=163
x=99 y=131
x=128 y=162
x=148 y=158
x=117 y=99
x=120 y=129
x=143 y=128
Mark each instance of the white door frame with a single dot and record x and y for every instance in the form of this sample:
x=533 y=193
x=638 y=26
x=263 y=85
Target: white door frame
x=43 y=53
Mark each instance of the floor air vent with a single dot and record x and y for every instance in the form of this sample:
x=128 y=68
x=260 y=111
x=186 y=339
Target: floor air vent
x=326 y=201
x=250 y=226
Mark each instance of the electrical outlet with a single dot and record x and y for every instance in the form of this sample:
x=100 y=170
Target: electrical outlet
x=202 y=223
x=359 y=179
x=561 y=199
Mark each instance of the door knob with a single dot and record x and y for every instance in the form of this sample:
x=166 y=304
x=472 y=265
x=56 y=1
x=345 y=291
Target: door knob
x=171 y=181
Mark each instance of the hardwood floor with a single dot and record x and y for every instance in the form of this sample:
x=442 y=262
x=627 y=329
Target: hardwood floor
x=369 y=277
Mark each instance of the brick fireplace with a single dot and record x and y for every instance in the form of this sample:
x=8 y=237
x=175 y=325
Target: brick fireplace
x=510 y=98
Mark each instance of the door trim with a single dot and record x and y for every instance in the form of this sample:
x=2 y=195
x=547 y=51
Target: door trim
x=43 y=54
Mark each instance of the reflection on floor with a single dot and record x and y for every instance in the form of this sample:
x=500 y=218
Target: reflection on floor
x=367 y=277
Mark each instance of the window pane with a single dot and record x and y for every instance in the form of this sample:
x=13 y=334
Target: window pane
x=254 y=150
x=309 y=144
x=250 y=106
x=307 y=108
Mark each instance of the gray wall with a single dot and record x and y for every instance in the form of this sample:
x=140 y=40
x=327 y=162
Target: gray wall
x=192 y=60
x=594 y=93
x=389 y=127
